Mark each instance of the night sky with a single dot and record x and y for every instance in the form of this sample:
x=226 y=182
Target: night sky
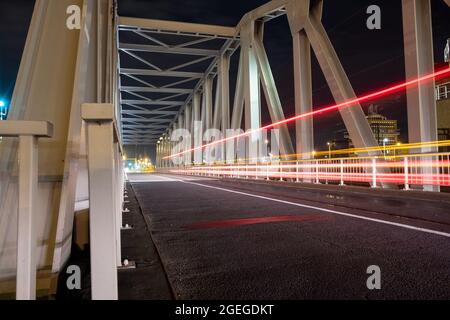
x=372 y=59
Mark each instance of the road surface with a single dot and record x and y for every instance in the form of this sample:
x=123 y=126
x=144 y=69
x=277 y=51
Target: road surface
x=237 y=240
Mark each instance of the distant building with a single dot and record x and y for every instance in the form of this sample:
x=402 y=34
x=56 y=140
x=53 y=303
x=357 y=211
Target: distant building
x=385 y=130
x=443 y=100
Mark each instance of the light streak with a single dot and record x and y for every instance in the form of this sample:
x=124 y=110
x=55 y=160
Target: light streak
x=349 y=103
x=337 y=172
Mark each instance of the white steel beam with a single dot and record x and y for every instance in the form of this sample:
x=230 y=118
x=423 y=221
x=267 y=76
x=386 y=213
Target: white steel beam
x=272 y=97
x=251 y=82
x=224 y=91
x=419 y=61
x=201 y=29
x=102 y=219
x=161 y=73
x=238 y=104
x=154 y=103
x=303 y=94
x=157 y=90
x=170 y=50
x=187 y=126
x=207 y=94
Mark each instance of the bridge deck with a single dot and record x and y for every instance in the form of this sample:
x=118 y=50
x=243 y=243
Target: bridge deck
x=238 y=240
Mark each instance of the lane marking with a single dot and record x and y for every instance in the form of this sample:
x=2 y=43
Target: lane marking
x=405 y=226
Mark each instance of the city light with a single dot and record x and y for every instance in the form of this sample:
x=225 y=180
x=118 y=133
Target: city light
x=3 y=110
x=349 y=103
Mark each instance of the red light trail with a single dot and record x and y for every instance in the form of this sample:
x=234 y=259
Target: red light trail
x=349 y=103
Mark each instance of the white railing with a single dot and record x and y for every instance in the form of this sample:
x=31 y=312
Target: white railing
x=28 y=133
x=404 y=171
x=106 y=194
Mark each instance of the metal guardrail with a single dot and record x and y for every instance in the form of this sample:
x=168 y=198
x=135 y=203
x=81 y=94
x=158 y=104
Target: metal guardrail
x=404 y=171
x=28 y=133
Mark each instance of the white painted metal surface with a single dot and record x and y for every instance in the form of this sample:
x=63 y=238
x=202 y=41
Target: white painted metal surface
x=102 y=193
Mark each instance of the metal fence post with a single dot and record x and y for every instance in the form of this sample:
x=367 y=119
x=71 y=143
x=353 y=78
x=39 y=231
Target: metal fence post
x=102 y=216
x=406 y=173
x=342 y=173
x=374 y=173
x=28 y=132
x=317 y=172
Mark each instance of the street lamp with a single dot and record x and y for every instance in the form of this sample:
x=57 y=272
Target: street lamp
x=385 y=140
x=2 y=110
x=329 y=149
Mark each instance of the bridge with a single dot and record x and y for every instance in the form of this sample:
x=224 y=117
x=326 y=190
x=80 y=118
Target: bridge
x=235 y=208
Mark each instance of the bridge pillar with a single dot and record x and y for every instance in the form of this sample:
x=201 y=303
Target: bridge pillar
x=187 y=126
x=197 y=128
x=102 y=194
x=252 y=96
x=419 y=61
x=238 y=111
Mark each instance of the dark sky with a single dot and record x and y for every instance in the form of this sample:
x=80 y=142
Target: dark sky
x=372 y=59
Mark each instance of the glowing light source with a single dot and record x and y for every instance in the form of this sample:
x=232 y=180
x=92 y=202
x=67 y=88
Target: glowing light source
x=349 y=103
x=2 y=104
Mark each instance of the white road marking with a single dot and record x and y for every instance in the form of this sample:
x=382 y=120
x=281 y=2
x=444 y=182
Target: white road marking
x=405 y=226
x=149 y=178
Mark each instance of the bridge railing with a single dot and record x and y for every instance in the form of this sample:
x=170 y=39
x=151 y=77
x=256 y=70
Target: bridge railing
x=403 y=171
x=28 y=133
x=106 y=194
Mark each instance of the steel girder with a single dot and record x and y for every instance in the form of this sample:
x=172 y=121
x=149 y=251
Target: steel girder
x=178 y=77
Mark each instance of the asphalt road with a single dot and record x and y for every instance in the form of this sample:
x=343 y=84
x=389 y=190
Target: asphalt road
x=232 y=240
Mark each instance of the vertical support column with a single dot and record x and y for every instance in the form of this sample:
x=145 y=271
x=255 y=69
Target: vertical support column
x=207 y=95
x=238 y=105
x=100 y=138
x=188 y=126
x=238 y=110
x=303 y=94
x=167 y=150
x=224 y=83
x=251 y=84
x=26 y=235
x=163 y=151
x=217 y=113
x=198 y=134
x=419 y=61
x=158 y=154
x=181 y=123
